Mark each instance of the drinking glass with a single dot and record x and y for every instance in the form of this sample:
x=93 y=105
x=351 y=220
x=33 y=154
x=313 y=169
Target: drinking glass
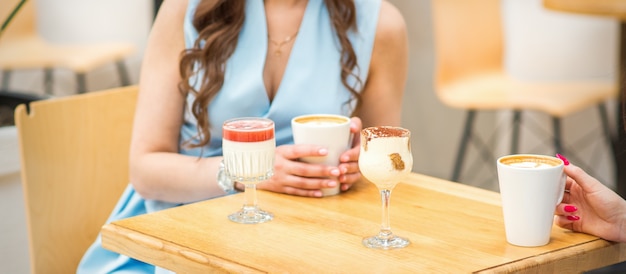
x=385 y=159
x=248 y=146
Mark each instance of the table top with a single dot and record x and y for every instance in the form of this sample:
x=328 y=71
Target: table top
x=452 y=227
x=613 y=8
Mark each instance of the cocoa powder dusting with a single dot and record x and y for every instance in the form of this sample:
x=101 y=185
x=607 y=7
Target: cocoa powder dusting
x=373 y=132
x=383 y=131
x=396 y=161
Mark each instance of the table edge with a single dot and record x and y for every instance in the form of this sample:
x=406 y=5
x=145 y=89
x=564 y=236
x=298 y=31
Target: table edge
x=139 y=246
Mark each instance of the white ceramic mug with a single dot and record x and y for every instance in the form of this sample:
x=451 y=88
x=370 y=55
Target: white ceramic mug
x=327 y=130
x=531 y=186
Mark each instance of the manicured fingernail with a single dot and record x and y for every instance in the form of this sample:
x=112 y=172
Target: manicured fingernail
x=322 y=151
x=335 y=172
x=570 y=208
x=573 y=218
x=565 y=161
x=332 y=184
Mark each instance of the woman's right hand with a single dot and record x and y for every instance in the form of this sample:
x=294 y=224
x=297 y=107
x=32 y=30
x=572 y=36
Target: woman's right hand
x=589 y=206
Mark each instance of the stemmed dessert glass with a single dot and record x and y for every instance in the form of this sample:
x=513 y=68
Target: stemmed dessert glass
x=385 y=159
x=248 y=146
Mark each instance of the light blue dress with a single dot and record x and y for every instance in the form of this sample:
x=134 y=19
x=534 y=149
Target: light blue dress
x=311 y=84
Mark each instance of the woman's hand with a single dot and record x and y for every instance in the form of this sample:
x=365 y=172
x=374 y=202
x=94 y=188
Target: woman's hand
x=589 y=206
x=303 y=179
x=349 y=160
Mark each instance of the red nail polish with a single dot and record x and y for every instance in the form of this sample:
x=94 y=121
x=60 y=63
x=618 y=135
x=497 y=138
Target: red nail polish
x=570 y=208
x=565 y=161
x=573 y=218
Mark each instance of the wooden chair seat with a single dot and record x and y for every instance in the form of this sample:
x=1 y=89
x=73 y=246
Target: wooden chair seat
x=33 y=52
x=498 y=91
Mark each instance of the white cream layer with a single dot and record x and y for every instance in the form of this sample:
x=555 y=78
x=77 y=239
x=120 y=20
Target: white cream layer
x=375 y=162
x=249 y=162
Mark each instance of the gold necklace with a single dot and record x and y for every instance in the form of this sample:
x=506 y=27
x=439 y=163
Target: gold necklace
x=279 y=45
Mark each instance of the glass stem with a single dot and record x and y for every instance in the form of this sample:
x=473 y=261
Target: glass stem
x=385 y=227
x=250 y=200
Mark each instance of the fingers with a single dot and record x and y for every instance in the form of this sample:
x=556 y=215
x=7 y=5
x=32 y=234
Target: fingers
x=350 y=155
x=564 y=222
x=584 y=180
x=356 y=125
x=302 y=169
x=295 y=177
x=564 y=209
x=565 y=216
x=294 y=152
x=355 y=129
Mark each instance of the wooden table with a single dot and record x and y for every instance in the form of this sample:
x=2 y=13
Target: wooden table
x=615 y=9
x=453 y=228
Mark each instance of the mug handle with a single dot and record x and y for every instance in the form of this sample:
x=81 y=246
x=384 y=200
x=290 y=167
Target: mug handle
x=562 y=188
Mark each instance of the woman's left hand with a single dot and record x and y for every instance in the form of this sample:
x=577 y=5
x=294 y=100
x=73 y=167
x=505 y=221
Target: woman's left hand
x=348 y=161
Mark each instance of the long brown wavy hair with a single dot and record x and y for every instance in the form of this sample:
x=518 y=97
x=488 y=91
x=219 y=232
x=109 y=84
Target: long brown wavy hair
x=218 y=25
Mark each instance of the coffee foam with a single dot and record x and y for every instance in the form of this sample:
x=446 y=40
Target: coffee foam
x=321 y=120
x=531 y=161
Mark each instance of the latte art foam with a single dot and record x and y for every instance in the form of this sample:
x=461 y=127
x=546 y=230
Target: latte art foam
x=530 y=165
x=321 y=120
x=531 y=161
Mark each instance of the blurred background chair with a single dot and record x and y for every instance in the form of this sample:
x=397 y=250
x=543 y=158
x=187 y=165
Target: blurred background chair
x=470 y=75
x=9 y=101
x=21 y=48
x=74 y=159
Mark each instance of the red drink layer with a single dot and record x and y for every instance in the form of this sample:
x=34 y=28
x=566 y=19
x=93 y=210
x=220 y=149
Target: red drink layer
x=248 y=131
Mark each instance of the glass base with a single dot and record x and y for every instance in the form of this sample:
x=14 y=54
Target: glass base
x=392 y=242
x=251 y=216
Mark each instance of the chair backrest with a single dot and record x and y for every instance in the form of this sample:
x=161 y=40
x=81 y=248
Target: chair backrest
x=468 y=38
x=74 y=165
x=23 y=23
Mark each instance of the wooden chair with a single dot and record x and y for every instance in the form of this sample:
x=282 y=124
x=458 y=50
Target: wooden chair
x=21 y=47
x=10 y=100
x=74 y=166
x=470 y=75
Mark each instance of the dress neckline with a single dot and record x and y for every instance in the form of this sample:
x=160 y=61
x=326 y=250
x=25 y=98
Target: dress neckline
x=295 y=48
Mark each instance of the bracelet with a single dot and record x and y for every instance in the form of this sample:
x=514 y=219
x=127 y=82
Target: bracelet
x=224 y=181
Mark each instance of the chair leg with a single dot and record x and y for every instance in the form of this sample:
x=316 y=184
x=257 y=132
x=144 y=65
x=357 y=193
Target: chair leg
x=604 y=119
x=81 y=83
x=556 y=127
x=123 y=72
x=48 y=81
x=517 y=119
x=460 y=156
x=6 y=79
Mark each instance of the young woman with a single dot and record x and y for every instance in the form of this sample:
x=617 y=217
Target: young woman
x=211 y=60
